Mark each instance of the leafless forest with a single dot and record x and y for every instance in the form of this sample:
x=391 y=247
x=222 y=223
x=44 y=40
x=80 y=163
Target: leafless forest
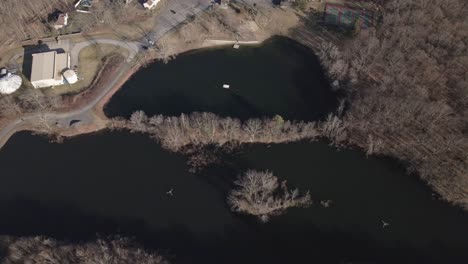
x=261 y=194
x=21 y=20
x=407 y=86
x=40 y=250
x=30 y=101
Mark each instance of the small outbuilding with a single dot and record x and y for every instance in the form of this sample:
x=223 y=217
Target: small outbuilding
x=150 y=4
x=62 y=21
x=70 y=76
x=347 y=17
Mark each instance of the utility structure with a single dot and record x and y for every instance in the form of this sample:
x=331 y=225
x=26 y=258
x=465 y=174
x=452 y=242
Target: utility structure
x=9 y=83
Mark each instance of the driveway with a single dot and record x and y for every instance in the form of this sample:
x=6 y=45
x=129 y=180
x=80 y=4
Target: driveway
x=83 y=114
x=132 y=47
x=172 y=14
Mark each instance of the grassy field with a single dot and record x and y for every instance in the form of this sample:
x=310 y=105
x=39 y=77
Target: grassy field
x=90 y=62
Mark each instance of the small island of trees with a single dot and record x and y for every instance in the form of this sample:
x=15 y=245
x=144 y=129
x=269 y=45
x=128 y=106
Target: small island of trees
x=261 y=194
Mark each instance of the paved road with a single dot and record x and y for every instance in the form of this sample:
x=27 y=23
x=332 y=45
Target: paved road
x=171 y=15
x=175 y=12
x=165 y=21
x=83 y=114
x=132 y=47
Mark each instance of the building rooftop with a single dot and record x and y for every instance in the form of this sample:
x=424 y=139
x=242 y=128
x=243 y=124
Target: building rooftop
x=61 y=20
x=43 y=66
x=47 y=68
x=61 y=63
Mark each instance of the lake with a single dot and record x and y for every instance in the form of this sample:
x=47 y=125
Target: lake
x=280 y=77
x=116 y=183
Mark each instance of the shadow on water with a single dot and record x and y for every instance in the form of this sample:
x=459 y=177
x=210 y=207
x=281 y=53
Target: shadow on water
x=246 y=242
x=116 y=183
x=25 y=217
x=279 y=77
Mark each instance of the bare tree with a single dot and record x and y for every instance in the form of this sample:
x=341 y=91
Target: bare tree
x=9 y=107
x=261 y=194
x=406 y=82
x=253 y=128
x=36 y=102
x=21 y=20
x=39 y=250
x=334 y=128
x=140 y=120
x=198 y=129
x=165 y=50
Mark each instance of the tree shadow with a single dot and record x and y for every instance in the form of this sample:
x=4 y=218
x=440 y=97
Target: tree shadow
x=284 y=239
x=27 y=217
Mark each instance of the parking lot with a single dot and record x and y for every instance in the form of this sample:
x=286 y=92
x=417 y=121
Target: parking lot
x=175 y=12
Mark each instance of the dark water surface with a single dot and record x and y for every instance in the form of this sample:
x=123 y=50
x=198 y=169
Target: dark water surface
x=279 y=77
x=116 y=183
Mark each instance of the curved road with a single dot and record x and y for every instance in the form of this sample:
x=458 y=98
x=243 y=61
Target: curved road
x=83 y=114
x=132 y=47
x=170 y=16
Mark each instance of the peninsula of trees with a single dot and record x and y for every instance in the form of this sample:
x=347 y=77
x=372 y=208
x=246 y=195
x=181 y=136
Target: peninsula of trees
x=201 y=129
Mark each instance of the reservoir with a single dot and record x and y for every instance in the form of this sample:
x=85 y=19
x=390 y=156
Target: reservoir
x=116 y=183
x=279 y=77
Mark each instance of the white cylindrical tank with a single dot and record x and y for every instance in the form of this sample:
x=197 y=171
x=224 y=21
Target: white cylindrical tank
x=10 y=83
x=70 y=76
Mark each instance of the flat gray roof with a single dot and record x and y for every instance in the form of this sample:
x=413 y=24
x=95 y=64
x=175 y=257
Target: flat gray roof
x=43 y=66
x=48 y=65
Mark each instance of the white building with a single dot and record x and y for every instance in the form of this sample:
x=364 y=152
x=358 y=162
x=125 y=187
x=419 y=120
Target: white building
x=70 y=76
x=47 y=68
x=150 y=4
x=9 y=83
